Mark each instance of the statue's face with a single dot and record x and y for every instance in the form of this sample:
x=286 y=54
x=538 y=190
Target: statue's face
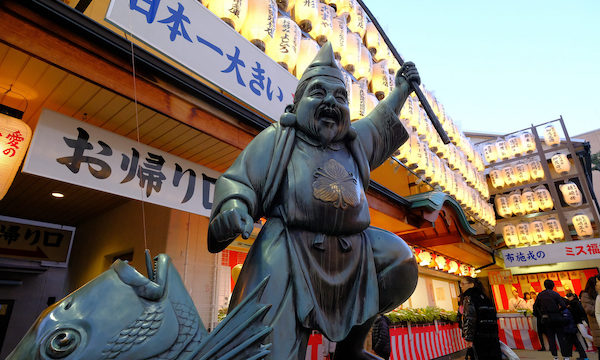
x=323 y=112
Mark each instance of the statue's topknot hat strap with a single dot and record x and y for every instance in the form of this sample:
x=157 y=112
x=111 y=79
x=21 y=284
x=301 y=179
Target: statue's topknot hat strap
x=323 y=65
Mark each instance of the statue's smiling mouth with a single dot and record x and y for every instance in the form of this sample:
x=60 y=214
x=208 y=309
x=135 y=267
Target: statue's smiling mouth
x=328 y=115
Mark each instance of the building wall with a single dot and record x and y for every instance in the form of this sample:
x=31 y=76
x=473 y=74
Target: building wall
x=593 y=137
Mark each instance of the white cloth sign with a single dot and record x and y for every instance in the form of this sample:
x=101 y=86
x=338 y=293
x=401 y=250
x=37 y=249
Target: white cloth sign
x=553 y=253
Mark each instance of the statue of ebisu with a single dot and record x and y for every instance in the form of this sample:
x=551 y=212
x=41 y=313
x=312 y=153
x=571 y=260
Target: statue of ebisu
x=307 y=174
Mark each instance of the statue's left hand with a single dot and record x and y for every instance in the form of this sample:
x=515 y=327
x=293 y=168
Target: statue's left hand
x=407 y=74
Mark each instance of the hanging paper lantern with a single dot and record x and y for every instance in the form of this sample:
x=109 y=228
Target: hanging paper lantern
x=502 y=206
x=425 y=257
x=382 y=83
x=543 y=198
x=490 y=153
x=496 y=178
x=358 y=101
x=509 y=233
x=373 y=39
x=364 y=68
x=464 y=269
x=537 y=232
x=339 y=36
x=523 y=233
x=351 y=54
x=232 y=12
x=561 y=163
x=583 y=226
x=503 y=150
x=527 y=142
x=553 y=229
x=515 y=203
x=571 y=194
x=308 y=50
x=393 y=64
x=551 y=137
x=536 y=170
x=413 y=155
x=509 y=176
x=440 y=262
x=358 y=21
x=259 y=26
x=322 y=29
x=15 y=136
x=283 y=48
x=514 y=145
x=529 y=202
x=306 y=13
x=452 y=267
x=522 y=173
x=344 y=8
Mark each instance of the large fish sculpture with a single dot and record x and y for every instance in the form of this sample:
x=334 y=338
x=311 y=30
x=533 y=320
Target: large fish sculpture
x=122 y=314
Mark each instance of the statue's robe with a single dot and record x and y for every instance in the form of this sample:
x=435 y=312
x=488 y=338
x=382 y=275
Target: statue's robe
x=316 y=245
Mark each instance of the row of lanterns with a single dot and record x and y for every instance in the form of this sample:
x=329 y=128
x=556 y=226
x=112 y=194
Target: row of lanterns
x=528 y=201
x=522 y=172
x=432 y=260
x=537 y=232
x=518 y=145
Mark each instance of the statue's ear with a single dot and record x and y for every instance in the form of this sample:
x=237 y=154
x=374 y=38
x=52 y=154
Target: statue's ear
x=288 y=118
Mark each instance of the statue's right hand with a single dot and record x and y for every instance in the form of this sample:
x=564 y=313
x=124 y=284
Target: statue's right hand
x=232 y=220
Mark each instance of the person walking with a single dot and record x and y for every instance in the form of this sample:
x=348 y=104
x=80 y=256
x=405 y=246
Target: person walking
x=570 y=327
x=381 y=337
x=479 y=321
x=588 y=301
x=550 y=305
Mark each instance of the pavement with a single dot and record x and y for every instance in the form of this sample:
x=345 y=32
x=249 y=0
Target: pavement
x=529 y=355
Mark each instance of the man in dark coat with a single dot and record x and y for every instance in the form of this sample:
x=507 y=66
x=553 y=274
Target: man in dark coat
x=328 y=269
x=550 y=305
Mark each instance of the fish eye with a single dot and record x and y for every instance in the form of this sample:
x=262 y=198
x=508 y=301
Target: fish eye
x=61 y=343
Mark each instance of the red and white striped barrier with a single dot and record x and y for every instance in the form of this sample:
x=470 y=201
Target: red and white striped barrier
x=518 y=333
x=314 y=349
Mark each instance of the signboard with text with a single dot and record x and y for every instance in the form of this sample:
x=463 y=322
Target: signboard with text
x=33 y=240
x=76 y=152
x=554 y=253
x=187 y=32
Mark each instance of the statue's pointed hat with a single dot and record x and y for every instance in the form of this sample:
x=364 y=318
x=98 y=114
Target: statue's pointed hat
x=323 y=65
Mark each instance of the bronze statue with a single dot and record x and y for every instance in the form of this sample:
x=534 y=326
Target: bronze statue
x=329 y=270
x=122 y=314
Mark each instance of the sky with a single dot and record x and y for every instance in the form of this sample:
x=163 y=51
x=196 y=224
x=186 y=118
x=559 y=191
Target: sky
x=501 y=66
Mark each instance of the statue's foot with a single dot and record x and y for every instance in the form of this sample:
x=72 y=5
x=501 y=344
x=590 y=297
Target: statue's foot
x=355 y=355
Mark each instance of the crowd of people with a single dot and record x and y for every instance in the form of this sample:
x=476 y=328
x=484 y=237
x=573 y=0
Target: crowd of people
x=557 y=318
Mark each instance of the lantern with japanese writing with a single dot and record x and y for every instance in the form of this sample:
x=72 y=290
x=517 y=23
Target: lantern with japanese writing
x=509 y=233
x=351 y=54
x=583 y=226
x=509 y=176
x=260 y=22
x=543 y=198
x=358 y=21
x=323 y=28
x=496 y=178
x=561 y=163
x=516 y=204
x=393 y=64
x=522 y=172
x=551 y=137
x=537 y=232
x=503 y=150
x=232 y=12
x=15 y=136
x=373 y=39
x=306 y=13
x=364 y=68
x=527 y=142
x=502 y=206
x=440 y=262
x=464 y=269
x=382 y=83
x=452 y=267
x=308 y=50
x=553 y=229
x=529 y=202
x=571 y=194
x=523 y=233
x=339 y=36
x=358 y=100
x=536 y=170
x=412 y=158
x=514 y=145
x=425 y=257
x=490 y=153
x=283 y=48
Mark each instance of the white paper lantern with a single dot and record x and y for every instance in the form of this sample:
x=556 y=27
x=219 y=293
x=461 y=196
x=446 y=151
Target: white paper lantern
x=382 y=83
x=232 y=12
x=516 y=204
x=322 y=29
x=339 y=36
x=308 y=50
x=583 y=226
x=14 y=141
x=551 y=137
x=514 y=145
x=553 y=229
x=543 y=198
x=425 y=257
x=358 y=21
x=528 y=201
x=536 y=170
x=524 y=233
x=503 y=206
x=504 y=152
x=452 y=267
x=537 y=232
x=490 y=153
x=561 y=163
x=527 y=142
x=509 y=233
x=510 y=178
x=571 y=194
x=259 y=26
x=284 y=46
x=522 y=173
x=496 y=178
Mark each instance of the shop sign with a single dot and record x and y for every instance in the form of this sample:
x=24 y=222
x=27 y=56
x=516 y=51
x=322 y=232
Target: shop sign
x=76 y=152
x=554 y=253
x=188 y=33
x=33 y=240
x=500 y=277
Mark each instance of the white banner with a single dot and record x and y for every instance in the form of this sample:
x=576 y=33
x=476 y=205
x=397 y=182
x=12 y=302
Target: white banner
x=553 y=253
x=187 y=32
x=76 y=152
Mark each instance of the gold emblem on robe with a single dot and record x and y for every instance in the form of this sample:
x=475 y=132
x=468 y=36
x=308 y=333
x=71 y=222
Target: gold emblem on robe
x=334 y=184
